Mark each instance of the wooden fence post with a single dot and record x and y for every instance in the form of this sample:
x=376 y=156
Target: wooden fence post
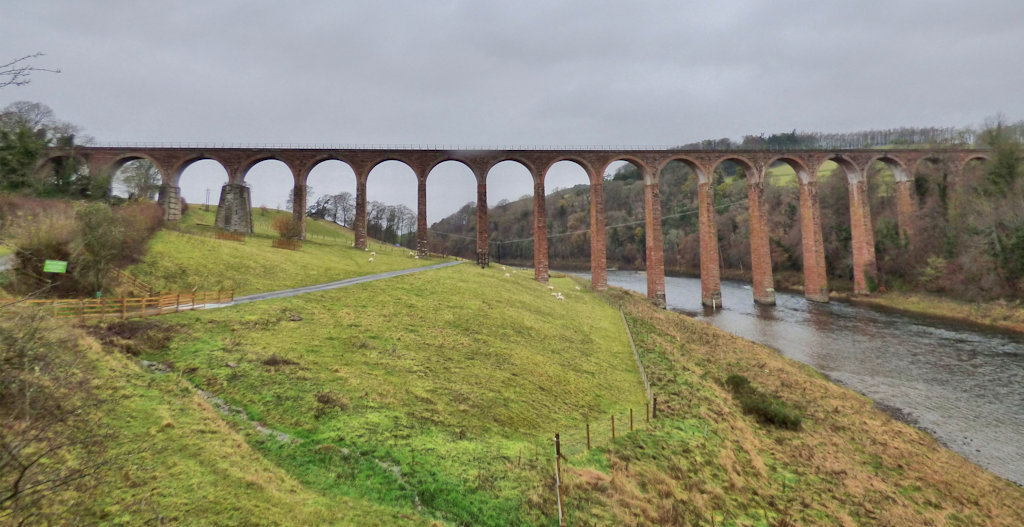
x=630 y=419
x=654 y=412
x=588 y=435
x=124 y=308
x=177 y=303
x=558 y=480
x=613 y=427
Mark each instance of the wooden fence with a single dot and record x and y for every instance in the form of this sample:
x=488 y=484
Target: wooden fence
x=132 y=307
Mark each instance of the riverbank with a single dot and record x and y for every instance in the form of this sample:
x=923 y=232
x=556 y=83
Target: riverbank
x=1002 y=315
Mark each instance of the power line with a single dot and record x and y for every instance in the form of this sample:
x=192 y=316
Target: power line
x=687 y=213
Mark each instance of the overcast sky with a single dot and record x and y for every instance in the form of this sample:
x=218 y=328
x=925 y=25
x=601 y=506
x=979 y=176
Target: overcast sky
x=487 y=73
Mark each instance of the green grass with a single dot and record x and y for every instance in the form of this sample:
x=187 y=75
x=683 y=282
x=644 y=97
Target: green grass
x=453 y=383
x=177 y=261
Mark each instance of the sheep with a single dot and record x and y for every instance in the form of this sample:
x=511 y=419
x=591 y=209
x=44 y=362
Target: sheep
x=507 y=275
x=503 y=268
x=560 y=297
x=371 y=259
x=577 y=288
x=551 y=287
x=373 y=253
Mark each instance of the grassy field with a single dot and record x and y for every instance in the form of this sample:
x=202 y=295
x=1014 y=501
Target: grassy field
x=432 y=399
x=194 y=259
x=434 y=394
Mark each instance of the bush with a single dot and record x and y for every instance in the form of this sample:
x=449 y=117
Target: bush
x=286 y=226
x=94 y=240
x=767 y=408
x=51 y=446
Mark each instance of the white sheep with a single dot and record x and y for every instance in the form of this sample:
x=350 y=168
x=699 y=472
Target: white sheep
x=560 y=297
x=373 y=253
x=551 y=287
x=371 y=259
x=503 y=268
x=577 y=288
x=507 y=275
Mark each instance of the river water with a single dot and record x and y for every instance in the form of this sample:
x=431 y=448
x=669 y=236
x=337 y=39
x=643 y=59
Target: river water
x=962 y=384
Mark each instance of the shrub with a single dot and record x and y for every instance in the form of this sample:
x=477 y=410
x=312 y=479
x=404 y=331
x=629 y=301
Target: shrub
x=94 y=240
x=286 y=226
x=766 y=407
x=51 y=446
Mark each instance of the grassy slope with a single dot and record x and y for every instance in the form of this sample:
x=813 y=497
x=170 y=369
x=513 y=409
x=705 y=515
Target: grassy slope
x=180 y=261
x=433 y=396
x=173 y=460
x=849 y=465
x=450 y=384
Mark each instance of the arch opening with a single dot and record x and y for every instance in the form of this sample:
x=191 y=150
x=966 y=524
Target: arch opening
x=135 y=178
x=451 y=209
x=391 y=203
x=567 y=203
x=510 y=213
x=331 y=192
x=679 y=181
x=200 y=182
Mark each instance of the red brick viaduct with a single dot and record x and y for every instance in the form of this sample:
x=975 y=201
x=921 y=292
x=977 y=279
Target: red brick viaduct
x=234 y=212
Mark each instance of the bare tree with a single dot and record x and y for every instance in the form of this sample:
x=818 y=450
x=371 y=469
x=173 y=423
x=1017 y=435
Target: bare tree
x=18 y=72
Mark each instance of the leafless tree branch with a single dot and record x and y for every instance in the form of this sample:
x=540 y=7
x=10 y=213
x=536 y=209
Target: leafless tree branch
x=18 y=72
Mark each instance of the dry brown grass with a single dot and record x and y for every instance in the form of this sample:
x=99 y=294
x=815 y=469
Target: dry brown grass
x=850 y=465
x=1000 y=313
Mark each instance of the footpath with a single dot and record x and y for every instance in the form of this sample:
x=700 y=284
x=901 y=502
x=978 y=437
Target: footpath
x=330 y=285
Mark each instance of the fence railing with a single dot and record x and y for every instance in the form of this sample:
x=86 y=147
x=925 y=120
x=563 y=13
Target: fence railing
x=123 y=308
x=133 y=283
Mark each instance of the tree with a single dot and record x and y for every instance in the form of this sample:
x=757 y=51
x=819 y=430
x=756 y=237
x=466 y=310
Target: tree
x=27 y=129
x=18 y=72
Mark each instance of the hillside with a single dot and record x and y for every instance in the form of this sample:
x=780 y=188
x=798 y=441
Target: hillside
x=433 y=397
x=190 y=257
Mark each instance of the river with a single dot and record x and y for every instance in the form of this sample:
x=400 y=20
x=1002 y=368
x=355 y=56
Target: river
x=962 y=384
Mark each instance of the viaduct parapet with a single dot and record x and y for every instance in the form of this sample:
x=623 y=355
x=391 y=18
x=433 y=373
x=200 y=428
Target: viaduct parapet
x=235 y=209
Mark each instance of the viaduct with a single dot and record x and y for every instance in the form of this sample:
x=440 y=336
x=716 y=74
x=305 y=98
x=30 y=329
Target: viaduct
x=234 y=212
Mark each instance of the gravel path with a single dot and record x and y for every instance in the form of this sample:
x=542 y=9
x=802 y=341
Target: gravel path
x=330 y=285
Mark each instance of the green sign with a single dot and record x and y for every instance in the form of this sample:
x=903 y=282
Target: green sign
x=55 y=266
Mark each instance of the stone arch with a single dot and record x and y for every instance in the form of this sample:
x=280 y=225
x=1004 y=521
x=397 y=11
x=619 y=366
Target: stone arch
x=899 y=169
x=695 y=166
x=709 y=257
x=971 y=158
x=762 y=278
x=812 y=242
x=853 y=172
x=803 y=174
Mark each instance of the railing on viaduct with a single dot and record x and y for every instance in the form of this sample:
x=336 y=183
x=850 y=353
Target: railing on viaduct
x=235 y=210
